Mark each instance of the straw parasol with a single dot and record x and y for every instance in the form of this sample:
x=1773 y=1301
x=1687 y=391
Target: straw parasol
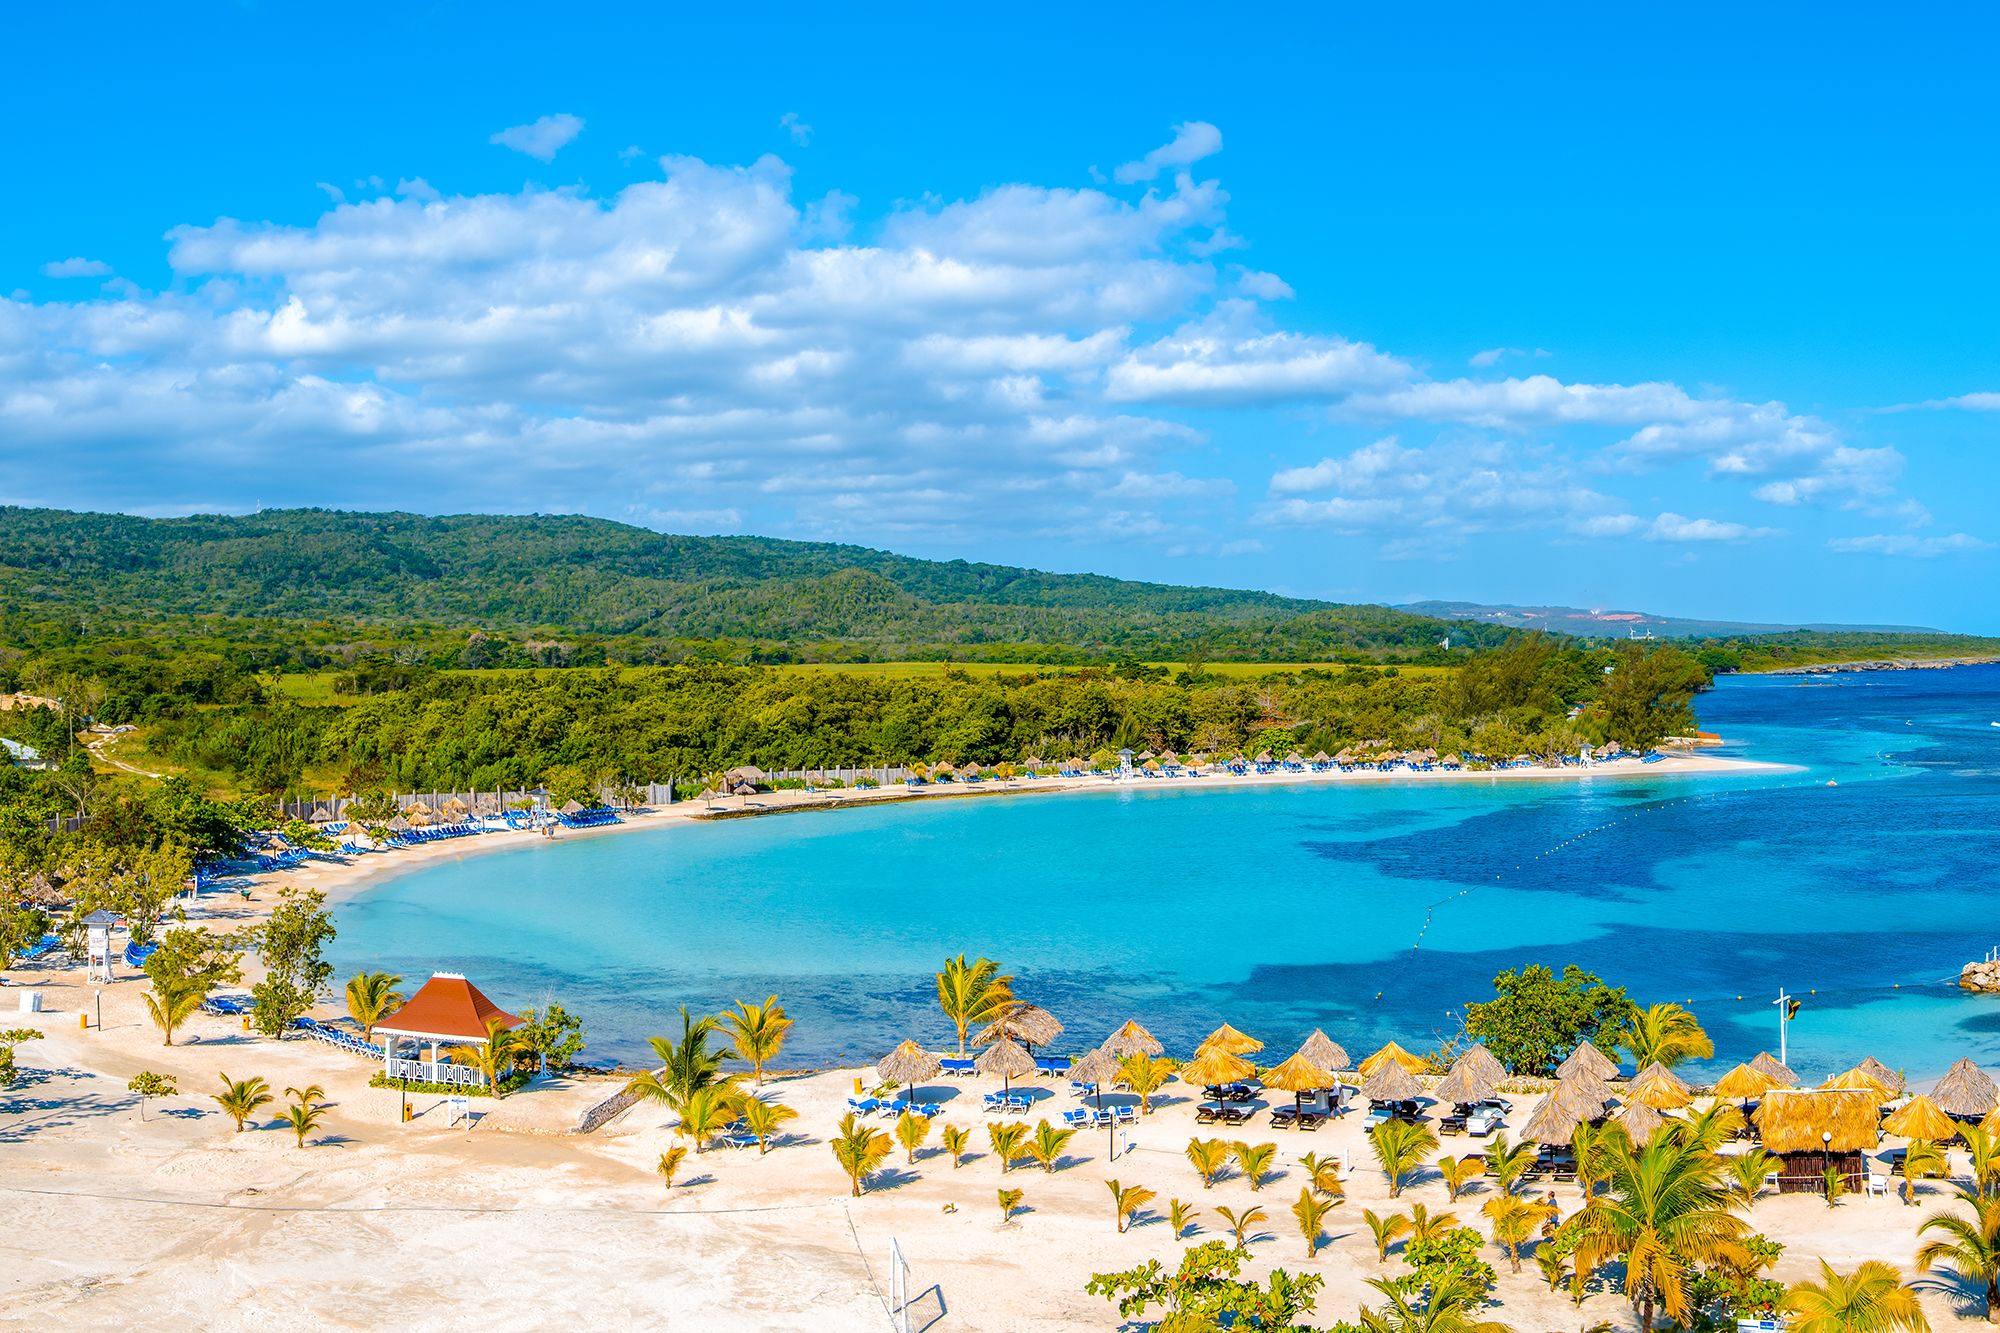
x=1006 y=1058
x=1920 y=1118
x=1227 y=1038
x=1473 y=1076
x=1587 y=1086
x=1744 y=1083
x=1132 y=1039
x=1840 y=1120
x=1660 y=1094
x=1556 y=1119
x=1324 y=1051
x=1029 y=1024
x=1884 y=1075
x=909 y=1064
x=1965 y=1092
x=1856 y=1079
x=1413 y=1064
x=1391 y=1083
x=1299 y=1076
x=1590 y=1060
x=1096 y=1068
x=1781 y=1074
x=1214 y=1067
x=456 y=806
x=1640 y=1122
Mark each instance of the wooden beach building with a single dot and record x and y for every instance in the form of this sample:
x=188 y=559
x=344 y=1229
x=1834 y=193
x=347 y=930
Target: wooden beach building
x=1810 y=1131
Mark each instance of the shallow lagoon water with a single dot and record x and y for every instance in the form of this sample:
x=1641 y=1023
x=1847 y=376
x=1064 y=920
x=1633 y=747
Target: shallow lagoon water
x=1373 y=910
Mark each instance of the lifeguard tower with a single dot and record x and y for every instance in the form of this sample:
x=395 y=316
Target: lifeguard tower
x=97 y=928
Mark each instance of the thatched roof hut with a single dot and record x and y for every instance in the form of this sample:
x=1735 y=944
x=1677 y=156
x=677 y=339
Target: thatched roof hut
x=1920 y=1118
x=908 y=1063
x=1587 y=1086
x=1781 y=1073
x=1556 y=1119
x=1857 y=1079
x=1006 y=1058
x=1473 y=1076
x=1394 y=1054
x=1227 y=1038
x=1298 y=1075
x=1660 y=1088
x=1324 y=1051
x=1215 y=1066
x=1744 y=1083
x=1884 y=1075
x=1588 y=1059
x=1390 y=1082
x=1099 y=1066
x=1133 y=1039
x=1965 y=1091
x=1640 y=1122
x=1815 y=1130
x=1028 y=1023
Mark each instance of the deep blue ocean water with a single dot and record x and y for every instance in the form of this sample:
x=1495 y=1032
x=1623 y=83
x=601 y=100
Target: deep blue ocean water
x=1372 y=910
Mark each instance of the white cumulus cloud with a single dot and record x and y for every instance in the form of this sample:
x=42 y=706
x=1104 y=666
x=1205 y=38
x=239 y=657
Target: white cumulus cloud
x=77 y=267
x=1192 y=141
x=540 y=139
x=1906 y=544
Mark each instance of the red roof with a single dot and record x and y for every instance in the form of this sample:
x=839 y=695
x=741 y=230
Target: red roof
x=447 y=1007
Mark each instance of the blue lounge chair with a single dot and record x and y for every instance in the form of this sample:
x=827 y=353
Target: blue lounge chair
x=1051 y=1065
x=955 y=1065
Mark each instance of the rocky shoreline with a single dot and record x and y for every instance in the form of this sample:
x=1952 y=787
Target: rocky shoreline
x=1882 y=664
x=1982 y=976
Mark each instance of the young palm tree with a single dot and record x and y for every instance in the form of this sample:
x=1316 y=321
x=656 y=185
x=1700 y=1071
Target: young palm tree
x=1709 y=1129
x=1923 y=1160
x=972 y=994
x=757 y=1031
x=1665 y=1033
x=1145 y=1075
x=1254 y=1161
x=705 y=1113
x=1514 y=1220
x=1748 y=1172
x=1970 y=1246
x=1126 y=1201
x=860 y=1150
x=1009 y=1201
x=1664 y=1213
x=765 y=1119
x=1593 y=1146
x=1460 y=1172
x=1007 y=1139
x=1426 y=1225
x=1181 y=1216
x=911 y=1131
x=669 y=1163
x=304 y=1114
x=1450 y=1304
x=240 y=1101
x=1208 y=1156
x=1240 y=1223
x=1836 y=1187
x=171 y=1007
x=1046 y=1147
x=1386 y=1231
x=955 y=1139
x=1323 y=1173
x=1402 y=1147
x=1871 y=1299
x=1508 y=1162
x=496 y=1059
x=372 y=997
x=1985 y=1151
x=1311 y=1211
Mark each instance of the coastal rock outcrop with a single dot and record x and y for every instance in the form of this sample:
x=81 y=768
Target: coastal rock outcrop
x=1981 y=976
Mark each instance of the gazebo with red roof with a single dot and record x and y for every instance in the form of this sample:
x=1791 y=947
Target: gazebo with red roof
x=447 y=1010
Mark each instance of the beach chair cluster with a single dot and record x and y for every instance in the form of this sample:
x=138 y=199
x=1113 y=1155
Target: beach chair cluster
x=889 y=1108
x=1094 y=1117
x=1476 y=1119
x=41 y=948
x=589 y=819
x=434 y=833
x=1297 y=1117
x=137 y=954
x=336 y=1036
x=228 y=1006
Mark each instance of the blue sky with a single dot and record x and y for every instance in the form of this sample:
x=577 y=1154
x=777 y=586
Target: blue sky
x=1691 y=313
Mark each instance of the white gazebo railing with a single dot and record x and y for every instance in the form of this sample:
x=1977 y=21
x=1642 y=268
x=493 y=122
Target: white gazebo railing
x=435 y=1071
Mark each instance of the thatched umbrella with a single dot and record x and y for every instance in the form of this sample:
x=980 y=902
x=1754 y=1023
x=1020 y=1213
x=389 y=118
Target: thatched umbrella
x=1640 y=1122
x=398 y=825
x=1474 y=1076
x=1920 y=1118
x=909 y=1064
x=1391 y=1082
x=1227 y=1038
x=1780 y=1073
x=1661 y=1094
x=1214 y=1067
x=1097 y=1067
x=1556 y=1119
x=1132 y=1039
x=1965 y=1092
x=1856 y=1079
x=1884 y=1075
x=1324 y=1051
x=420 y=816
x=1007 y=1059
x=1394 y=1054
x=1299 y=1076
x=1029 y=1024
x=457 y=806
x=1590 y=1060
x=1587 y=1086
x=1744 y=1083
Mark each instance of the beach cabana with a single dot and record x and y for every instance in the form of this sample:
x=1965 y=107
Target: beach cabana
x=1132 y=1039
x=1745 y=1083
x=1965 y=1092
x=1391 y=1082
x=1227 y=1038
x=1394 y=1054
x=1771 y=1067
x=447 y=1010
x=1473 y=1077
x=909 y=1064
x=1920 y=1118
x=1214 y=1068
x=1590 y=1060
x=1006 y=1059
x=1029 y=1024
x=1325 y=1052
x=1811 y=1131
x=1300 y=1077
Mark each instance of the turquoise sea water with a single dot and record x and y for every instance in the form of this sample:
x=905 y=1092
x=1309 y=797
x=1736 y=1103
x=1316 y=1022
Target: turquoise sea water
x=1372 y=910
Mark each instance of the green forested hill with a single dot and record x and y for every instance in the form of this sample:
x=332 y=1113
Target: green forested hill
x=584 y=576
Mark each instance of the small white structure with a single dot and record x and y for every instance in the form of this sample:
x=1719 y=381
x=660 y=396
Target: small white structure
x=1124 y=764
x=97 y=928
x=31 y=1002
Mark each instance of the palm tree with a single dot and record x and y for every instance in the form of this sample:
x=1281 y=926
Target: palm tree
x=1835 y=1186
x=1208 y=1156
x=972 y=994
x=1311 y=1211
x=1508 y=1162
x=173 y=1006
x=860 y=1150
x=495 y=1058
x=1871 y=1299
x=1460 y=1172
x=1254 y=1161
x=1667 y=1034
x=372 y=997
x=1145 y=1075
x=955 y=1138
x=1748 y=1173
x=303 y=1115
x=705 y=1113
x=240 y=1101
x=1970 y=1246
x=1711 y=1128
x=911 y=1131
x=1426 y=1225
x=1126 y=1201
x=1240 y=1223
x=1323 y=1173
x=1921 y=1161
x=1386 y=1231
x=1450 y=1304
x=1009 y=1201
x=1593 y=1147
x=1181 y=1216
x=1664 y=1213
x=764 y=1119
x=1401 y=1146
x=757 y=1031
x=1985 y=1151
x=1048 y=1144
x=1514 y=1222
x=670 y=1162
x=1007 y=1139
